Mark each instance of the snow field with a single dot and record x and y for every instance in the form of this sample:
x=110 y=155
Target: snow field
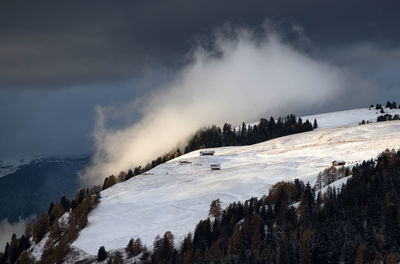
x=174 y=197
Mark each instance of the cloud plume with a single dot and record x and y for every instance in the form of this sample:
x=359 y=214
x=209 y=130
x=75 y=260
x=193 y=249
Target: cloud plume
x=7 y=229
x=239 y=76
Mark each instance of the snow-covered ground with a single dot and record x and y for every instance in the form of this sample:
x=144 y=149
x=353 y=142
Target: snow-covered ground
x=348 y=117
x=336 y=184
x=174 y=196
x=8 y=166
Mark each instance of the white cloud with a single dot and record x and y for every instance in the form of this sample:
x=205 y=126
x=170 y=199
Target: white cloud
x=240 y=78
x=7 y=229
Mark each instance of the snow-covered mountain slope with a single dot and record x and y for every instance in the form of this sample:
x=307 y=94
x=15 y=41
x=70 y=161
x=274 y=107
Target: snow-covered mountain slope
x=349 y=117
x=9 y=166
x=175 y=196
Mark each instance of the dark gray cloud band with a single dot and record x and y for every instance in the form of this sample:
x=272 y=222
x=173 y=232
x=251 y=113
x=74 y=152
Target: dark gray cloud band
x=57 y=44
x=60 y=59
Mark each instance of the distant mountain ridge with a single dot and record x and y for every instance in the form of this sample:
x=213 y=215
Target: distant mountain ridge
x=9 y=166
x=33 y=186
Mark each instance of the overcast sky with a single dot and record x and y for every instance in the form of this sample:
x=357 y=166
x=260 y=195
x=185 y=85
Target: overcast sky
x=60 y=59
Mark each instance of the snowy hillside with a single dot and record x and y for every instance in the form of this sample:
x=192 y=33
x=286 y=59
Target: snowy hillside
x=9 y=166
x=175 y=196
x=348 y=117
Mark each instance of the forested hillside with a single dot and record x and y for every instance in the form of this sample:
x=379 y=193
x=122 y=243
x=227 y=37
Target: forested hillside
x=212 y=137
x=294 y=224
x=249 y=134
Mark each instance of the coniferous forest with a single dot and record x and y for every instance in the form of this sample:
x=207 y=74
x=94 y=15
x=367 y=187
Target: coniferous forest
x=248 y=134
x=214 y=136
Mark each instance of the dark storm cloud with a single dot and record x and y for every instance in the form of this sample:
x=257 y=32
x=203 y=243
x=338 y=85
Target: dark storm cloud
x=62 y=43
x=60 y=59
x=57 y=122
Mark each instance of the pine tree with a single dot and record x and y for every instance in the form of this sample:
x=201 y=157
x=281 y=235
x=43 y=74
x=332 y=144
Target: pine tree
x=101 y=254
x=65 y=203
x=109 y=181
x=177 y=153
x=315 y=126
x=134 y=247
x=129 y=175
x=40 y=228
x=243 y=131
x=215 y=209
x=163 y=248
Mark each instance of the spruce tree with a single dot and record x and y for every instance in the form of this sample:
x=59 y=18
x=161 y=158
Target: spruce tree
x=65 y=203
x=315 y=126
x=101 y=254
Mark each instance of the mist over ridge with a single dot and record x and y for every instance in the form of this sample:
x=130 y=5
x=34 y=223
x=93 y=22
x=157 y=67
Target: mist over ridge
x=240 y=76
